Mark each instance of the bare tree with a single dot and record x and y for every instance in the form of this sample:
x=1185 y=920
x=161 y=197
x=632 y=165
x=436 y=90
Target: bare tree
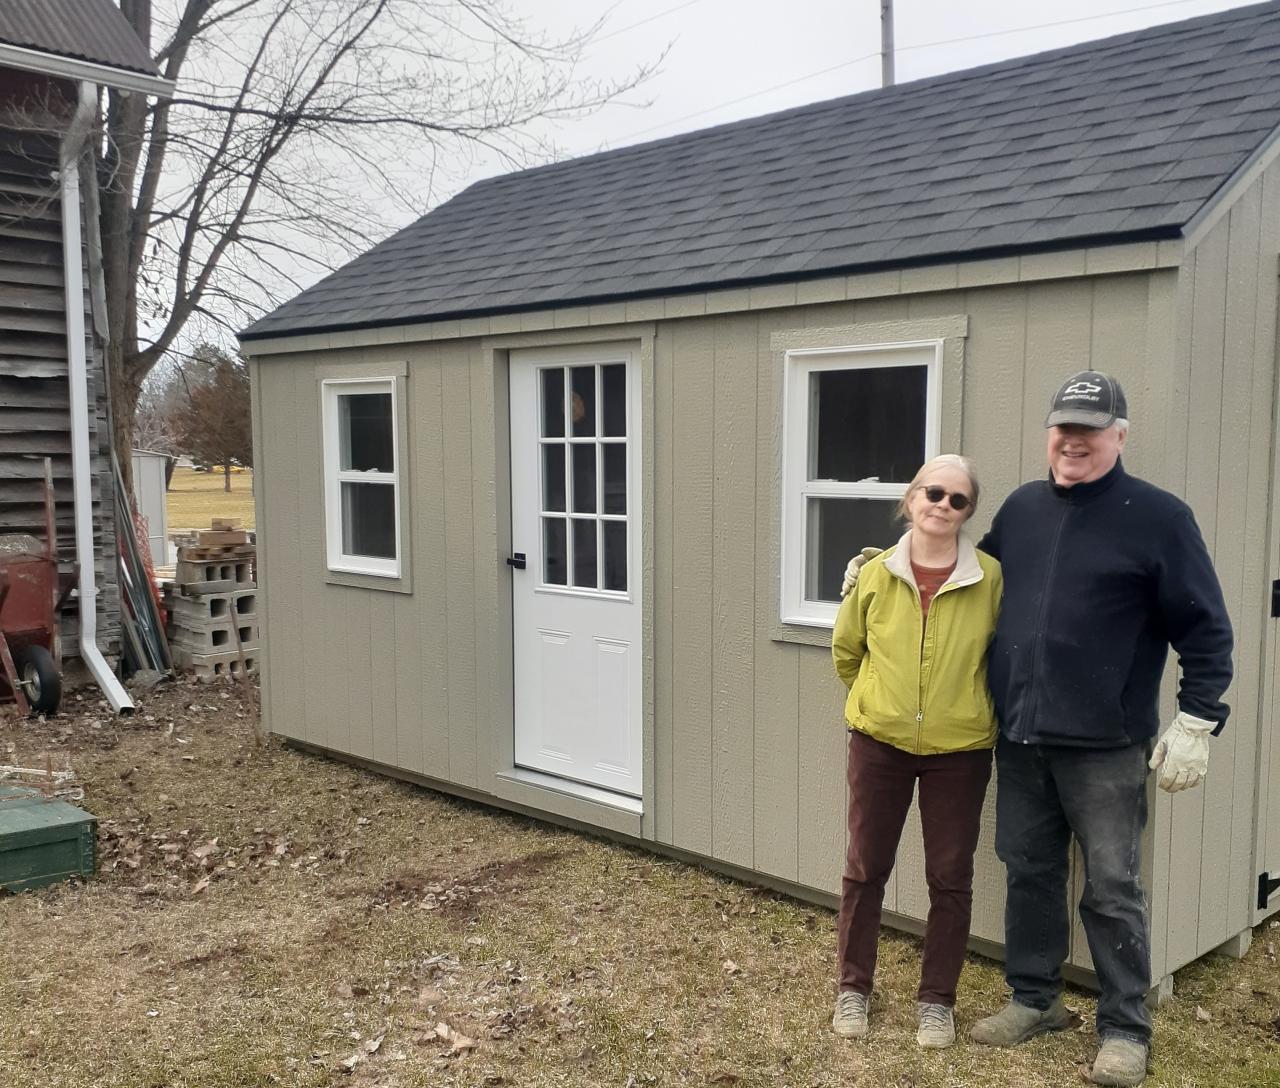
x=299 y=131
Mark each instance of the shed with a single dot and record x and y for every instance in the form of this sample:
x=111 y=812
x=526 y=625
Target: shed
x=151 y=495
x=555 y=485
x=54 y=58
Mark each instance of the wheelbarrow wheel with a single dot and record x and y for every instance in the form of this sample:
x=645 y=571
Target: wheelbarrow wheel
x=39 y=678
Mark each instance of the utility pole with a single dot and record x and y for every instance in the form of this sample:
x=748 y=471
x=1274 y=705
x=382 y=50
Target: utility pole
x=886 y=43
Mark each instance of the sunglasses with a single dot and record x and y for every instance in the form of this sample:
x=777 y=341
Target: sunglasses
x=937 y=494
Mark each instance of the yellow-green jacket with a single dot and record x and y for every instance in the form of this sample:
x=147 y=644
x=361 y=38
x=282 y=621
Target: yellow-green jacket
x=923 y=697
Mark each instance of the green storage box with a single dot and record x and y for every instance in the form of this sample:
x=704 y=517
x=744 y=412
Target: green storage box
x=42 y=841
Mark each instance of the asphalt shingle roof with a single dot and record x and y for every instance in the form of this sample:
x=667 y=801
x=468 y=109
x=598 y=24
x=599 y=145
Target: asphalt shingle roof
x=1120 y=139
x=92 y=30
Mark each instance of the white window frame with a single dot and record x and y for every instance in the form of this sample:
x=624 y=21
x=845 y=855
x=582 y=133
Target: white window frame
x=797 y=488
x=334 y=477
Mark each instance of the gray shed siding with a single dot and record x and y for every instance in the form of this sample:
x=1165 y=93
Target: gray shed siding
x=747 y=761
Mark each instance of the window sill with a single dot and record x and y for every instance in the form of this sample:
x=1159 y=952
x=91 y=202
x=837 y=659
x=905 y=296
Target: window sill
x=803 y=634
x=400 y=583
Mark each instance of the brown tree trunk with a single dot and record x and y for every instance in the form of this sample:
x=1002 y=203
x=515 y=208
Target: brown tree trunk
x=226 y=474
x=125 y=391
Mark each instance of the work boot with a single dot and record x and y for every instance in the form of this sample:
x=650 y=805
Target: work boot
x=937 y=1026
x=850 y=1020
x=1120 y=1062
x=1016 y=1024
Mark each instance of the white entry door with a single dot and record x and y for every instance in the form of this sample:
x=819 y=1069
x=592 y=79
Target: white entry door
x=575 y=504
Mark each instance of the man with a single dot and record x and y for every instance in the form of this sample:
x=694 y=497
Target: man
x=1102 y=573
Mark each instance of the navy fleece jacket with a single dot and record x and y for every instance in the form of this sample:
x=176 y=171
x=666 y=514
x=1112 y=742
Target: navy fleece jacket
x=1099 y=580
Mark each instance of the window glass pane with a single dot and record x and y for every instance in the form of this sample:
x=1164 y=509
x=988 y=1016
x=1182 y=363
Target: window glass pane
x=583 y=400
x=613 y=382
x=365 y=432
x=615 y=555
x=835 y=530
x=584 y=478
x=555 y=552
x=615 y=478
x=369 y=520
x=867 y=422
x=553 y=402
x=584 y=553
x=553 y=477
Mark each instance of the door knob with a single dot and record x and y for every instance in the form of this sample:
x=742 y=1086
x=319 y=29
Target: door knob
x=516 y=561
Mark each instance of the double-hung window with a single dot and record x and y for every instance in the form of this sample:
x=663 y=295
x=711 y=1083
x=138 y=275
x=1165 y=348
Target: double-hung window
x=362 y=479
x=859 y=423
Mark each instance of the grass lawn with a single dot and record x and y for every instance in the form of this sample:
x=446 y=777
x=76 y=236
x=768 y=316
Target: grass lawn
x=195 y=497
x=264 y=916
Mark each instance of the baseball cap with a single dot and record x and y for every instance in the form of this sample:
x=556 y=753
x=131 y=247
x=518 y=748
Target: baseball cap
x=1088 y=398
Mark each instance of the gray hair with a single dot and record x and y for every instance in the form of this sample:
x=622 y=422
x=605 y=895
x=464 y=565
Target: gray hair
x=948 y=460
x=1121 y=425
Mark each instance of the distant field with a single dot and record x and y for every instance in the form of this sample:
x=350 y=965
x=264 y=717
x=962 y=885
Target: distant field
x=196 y=497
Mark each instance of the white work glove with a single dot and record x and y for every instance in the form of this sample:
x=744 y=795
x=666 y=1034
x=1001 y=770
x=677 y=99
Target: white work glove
x=854 y=568
x=1181 y=757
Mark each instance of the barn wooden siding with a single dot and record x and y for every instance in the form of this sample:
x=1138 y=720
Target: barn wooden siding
x=748 y=743
x=34 y=398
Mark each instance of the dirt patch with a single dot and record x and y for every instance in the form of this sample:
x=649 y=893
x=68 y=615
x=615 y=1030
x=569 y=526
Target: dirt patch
x=465 y=895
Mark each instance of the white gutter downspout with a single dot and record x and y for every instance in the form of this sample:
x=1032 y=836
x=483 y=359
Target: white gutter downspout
x=78 y=381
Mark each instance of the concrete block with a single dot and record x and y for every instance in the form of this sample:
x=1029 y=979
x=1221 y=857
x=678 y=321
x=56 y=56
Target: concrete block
x=234 y=573
x=216 y=637
x=217 y=666
x=196 y=611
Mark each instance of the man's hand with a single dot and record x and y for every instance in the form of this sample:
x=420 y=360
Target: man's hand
x=854 y=568
x=1181 y=758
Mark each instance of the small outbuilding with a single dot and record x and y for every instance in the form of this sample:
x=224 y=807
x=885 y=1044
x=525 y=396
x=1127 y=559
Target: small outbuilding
x=555 y=485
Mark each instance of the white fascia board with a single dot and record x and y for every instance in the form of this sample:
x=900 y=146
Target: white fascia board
x=50 y=64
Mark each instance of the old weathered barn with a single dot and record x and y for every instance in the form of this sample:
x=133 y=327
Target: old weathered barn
x=555 y=485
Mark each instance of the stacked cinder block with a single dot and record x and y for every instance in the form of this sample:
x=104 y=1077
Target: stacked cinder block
x=214 y=613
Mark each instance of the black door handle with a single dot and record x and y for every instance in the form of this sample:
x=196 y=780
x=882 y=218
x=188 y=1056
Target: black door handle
x=516 y=561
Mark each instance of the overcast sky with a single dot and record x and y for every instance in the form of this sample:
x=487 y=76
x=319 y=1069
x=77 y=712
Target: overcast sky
x=731 y=59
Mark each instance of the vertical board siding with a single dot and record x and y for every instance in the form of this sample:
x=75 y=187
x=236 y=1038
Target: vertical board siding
x=1220 y=917
x=692 y=618
x=823 y=746
x=430 y=575
x=776 y=677
x=733 y=568
x=460 y=587
x=1265 y=517
x=664 y=661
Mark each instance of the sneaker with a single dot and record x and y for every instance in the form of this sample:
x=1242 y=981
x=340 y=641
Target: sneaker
x=1016 y=1024
x=937 y=1026
x=850 y=1020
x=1120 y=1062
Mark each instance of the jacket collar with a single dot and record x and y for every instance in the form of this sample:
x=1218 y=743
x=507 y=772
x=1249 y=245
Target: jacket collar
x=967 y=571
x=1085 y=492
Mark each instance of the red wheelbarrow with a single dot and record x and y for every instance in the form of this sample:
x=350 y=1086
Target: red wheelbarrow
x=31 y=594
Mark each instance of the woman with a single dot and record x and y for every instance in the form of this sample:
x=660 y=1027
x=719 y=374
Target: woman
x=910 y=644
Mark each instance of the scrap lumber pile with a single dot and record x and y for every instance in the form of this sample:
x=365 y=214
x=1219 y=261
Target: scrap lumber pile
x=214 y=607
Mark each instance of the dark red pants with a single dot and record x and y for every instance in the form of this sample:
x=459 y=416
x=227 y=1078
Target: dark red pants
x=882 y=780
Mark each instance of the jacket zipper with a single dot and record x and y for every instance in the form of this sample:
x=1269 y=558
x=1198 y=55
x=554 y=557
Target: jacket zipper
x=923 y=683
x=1038 y=651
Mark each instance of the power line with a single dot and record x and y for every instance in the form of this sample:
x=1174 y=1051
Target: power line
x=648 y=19
x=868 y=56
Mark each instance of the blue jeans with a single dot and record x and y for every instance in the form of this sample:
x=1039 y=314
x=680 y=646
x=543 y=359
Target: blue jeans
x=1044 y=794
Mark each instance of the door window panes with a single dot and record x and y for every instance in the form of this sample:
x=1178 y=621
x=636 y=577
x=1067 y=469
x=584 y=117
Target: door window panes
x=584 y=553
x=583 y=401
x=613 y=385
x=585 y=475
x=553 y=476
x=614 y=457
x=555 y=552
x=552 y=402
x=615 y=555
